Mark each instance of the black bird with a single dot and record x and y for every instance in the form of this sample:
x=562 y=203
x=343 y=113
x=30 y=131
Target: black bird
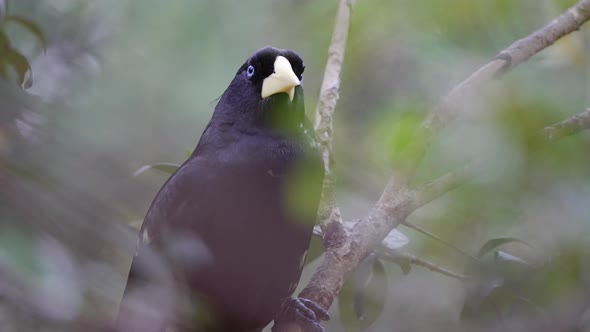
x=223 y=244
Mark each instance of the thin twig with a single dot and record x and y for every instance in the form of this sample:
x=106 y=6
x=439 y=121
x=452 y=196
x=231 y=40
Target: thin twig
x=333 y=230
x=567 y=127
x=446 y=243
x=402 y=257
x=445 y=183
x=324 y=117
x=456 y=178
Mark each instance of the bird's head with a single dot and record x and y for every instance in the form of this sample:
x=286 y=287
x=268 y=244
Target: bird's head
x=266 y=90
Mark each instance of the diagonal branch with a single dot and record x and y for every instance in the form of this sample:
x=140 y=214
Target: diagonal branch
x=456 y=178
x=506 y=60
x=368 y=233
x=567 y=127
x=345 y=251
x=520 y=51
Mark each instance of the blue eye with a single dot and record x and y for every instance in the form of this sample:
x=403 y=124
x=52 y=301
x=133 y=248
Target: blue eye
x=250 y=71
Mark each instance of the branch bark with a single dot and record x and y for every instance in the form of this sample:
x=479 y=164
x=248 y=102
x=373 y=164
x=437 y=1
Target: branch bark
x=520 y=51
x=567 y=127
x=324 y=118
x=506 y=60
x=346 y=248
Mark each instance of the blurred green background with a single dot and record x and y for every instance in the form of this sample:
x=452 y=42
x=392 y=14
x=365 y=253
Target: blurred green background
x=127 y=83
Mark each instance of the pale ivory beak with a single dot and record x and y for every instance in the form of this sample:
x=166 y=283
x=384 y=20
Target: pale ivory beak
x=282 y=80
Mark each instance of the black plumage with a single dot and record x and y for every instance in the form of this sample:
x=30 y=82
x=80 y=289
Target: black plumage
x=232 y=225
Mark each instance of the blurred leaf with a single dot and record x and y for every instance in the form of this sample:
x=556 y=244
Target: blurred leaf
x=167 y=168
x=30 y=26
x=16 y=253
x=405 y=131
x=4 y=44
x=564 y=275
x=23 y=172
x=497 y=286
x=315 y=250
x=513 y=269
x=363 y=297
x=502 y=256
x=303 y=183
x=21 y=65
x=405 y=265
x=497 y=242
x=477 y=297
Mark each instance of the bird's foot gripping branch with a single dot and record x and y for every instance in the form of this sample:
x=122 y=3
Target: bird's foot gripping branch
x=306 y=313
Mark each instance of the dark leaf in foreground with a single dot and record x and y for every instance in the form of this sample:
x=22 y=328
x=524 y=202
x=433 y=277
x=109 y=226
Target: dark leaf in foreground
x=362 y=299
x=497 y=242
x=31 y=27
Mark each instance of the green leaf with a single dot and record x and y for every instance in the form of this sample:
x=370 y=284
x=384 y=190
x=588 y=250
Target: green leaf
x=4 y=43
x=497 y=242
x=21 y=65
x=3 y=69
x=502 y=256
x=512 y=268
x=167 y=168
x=31 y=26
x=363 y=297
x=405 y=266
x=481 y=299
x=315 y=250
x=404 y=132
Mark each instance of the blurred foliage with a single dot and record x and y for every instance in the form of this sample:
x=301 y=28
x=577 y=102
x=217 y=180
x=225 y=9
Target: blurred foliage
x=362 y=298
x=10 y=57
x=121 y=83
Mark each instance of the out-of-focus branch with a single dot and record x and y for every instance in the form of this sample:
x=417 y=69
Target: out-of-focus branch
x=402 y=257
x=346 y=250
x=456 y=178
x=445 y=183
x=567 y=127
x=517 y=53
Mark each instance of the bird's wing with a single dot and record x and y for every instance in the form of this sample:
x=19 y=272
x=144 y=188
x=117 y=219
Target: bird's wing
x=150 y=281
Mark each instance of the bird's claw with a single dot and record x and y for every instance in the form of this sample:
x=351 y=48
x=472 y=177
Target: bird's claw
x=320 y=313
x=306 y=312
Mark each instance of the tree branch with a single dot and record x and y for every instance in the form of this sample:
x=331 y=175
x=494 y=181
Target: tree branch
x=520 y=51
x=333 y=230
x=347 y=249
x=506 y=60
x=567 y=127
x=324 y=119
